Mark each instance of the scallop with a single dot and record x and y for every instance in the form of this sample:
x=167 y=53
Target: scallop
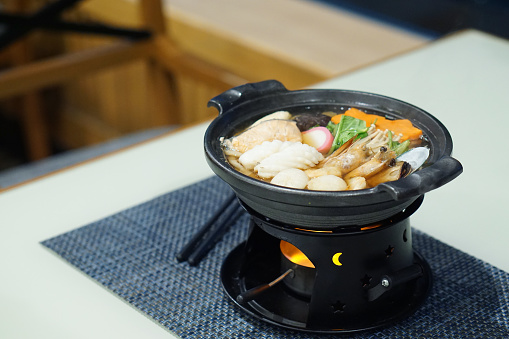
x=327 y=183
x=291 y=177
x=318 y=172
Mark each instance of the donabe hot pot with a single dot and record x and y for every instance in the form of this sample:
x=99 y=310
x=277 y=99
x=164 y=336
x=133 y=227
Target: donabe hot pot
x=364 y=272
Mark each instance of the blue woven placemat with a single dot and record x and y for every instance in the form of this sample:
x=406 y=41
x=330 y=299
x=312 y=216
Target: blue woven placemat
x=132 y=253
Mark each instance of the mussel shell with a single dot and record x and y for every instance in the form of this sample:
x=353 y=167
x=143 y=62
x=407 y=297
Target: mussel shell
x=416 y=157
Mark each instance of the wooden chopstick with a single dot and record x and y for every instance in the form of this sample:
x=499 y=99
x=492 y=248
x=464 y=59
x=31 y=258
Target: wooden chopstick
x=199 y=236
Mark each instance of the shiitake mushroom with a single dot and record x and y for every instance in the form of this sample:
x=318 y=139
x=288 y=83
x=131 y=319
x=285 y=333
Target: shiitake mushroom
x=307 y=121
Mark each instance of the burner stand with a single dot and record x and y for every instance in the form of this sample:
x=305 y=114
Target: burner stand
x=365 y=277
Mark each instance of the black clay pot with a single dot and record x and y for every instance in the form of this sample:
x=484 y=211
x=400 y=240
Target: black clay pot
x=319 y=210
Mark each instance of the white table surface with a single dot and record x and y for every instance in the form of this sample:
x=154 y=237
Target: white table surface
x=463 y=80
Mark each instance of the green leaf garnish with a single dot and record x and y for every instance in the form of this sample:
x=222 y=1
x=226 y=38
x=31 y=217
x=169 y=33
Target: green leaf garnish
x=397 y=147
x=347 y=128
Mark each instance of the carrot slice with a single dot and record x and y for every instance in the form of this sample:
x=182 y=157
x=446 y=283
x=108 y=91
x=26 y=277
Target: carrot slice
x=400 y=126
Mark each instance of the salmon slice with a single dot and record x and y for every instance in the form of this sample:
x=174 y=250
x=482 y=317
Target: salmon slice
x=283 y=130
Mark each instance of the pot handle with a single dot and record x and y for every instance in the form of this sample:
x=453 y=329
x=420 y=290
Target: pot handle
x=424 y=180
x=243 y=93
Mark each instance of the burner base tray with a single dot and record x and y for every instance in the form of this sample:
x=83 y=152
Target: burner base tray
x=280 y=307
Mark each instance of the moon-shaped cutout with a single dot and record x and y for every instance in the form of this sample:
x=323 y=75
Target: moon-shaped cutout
x=335 y=259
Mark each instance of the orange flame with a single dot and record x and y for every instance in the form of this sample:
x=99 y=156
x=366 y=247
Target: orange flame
x=295 y=255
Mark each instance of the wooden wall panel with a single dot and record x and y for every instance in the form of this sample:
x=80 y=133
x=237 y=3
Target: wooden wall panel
x=311 y=44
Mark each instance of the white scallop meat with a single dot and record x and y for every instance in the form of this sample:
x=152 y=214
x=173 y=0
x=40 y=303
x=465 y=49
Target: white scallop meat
x=291 y=177
x=327 y=183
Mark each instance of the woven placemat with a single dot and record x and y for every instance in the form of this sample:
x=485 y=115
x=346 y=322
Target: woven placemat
x=132 y=254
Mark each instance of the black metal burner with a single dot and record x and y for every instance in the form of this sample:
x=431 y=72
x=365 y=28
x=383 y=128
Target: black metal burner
x=361 y=278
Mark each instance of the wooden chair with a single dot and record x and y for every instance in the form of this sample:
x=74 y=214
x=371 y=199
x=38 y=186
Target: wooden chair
x=165 y=60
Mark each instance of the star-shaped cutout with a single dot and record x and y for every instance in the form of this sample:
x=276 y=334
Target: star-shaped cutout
x=389 y=251
x=338 y=307
x=366 y=281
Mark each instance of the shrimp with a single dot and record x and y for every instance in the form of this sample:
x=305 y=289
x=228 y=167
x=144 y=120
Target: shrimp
x=359 y=152
x=398 y=171
x=380 y=161
x=356 y=183
x=351 y=158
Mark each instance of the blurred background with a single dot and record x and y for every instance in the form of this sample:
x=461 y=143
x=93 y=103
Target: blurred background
x=77 y=74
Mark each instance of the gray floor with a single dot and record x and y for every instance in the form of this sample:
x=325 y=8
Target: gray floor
x=434 y=18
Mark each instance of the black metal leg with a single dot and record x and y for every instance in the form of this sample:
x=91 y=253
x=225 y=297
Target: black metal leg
x=49 y=12
x=16 y=26
x=88 y=28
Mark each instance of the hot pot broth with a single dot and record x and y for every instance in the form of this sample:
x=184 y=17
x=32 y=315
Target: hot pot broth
x=327 y=151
